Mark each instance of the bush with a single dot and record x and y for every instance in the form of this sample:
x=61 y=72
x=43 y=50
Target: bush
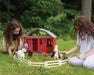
x=51 y=15
x=39 y=12
x=61 y=25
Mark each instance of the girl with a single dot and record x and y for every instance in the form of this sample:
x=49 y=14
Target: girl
x=13 y=31
x=85 y=42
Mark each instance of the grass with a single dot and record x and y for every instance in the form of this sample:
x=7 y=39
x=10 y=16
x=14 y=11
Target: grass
x=39 y=57
x=8 y=66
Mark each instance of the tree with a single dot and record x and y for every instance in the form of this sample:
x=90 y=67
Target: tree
x=86 y=8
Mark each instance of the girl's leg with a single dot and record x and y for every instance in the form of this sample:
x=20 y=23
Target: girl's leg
x=4 y=48
x=89 y=62
x=75 y=61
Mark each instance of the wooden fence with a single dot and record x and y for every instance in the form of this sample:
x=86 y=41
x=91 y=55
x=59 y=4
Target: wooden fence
x=46 y=64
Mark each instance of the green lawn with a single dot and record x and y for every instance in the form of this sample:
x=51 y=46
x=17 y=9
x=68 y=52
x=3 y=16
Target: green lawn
x=8 y=66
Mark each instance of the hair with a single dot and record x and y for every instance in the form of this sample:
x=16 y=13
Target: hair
x=83 y=26
x=8 y=31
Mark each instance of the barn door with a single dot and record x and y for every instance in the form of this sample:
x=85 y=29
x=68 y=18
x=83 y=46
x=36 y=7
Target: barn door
x=49 y=45
x=34 y=45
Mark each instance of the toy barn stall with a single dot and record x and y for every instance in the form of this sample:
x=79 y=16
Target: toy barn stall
x=40 y=43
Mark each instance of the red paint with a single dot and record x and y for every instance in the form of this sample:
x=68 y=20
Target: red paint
x=36 y=44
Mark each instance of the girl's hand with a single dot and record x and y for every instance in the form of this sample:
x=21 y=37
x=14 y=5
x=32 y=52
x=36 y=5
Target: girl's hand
x=65 y=53
x=14 y=51
x=81 y=57
x=10 y=50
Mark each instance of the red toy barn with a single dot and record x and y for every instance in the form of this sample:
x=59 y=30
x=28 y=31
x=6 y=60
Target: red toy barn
x=40 y=43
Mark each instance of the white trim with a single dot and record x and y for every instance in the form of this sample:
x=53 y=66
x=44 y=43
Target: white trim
x=40 y=29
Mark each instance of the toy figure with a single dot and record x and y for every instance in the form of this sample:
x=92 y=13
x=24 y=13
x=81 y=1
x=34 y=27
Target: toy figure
x=25 y=45
x=14 y=55
x=49 y=47
x=20 y=53
x=30 y=53
x=56 y=54
x=52 y=54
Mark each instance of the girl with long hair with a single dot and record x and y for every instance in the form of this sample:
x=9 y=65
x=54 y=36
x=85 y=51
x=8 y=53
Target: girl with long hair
x=13 y=32
x=85 y=43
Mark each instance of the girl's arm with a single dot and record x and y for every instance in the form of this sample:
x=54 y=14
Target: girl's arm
x=16 y=46
x=89 y=52
x=76 y=48
x=9 y=49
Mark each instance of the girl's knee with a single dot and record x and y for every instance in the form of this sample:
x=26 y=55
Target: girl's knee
x=75 y=61
x=4 y=50
x=71 y=61
x=88 y=65
x=89 y=62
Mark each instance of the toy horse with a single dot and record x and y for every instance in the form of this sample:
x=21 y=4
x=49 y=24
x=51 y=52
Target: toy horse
x=20 y=53
x=30 y=53
x=56 y=54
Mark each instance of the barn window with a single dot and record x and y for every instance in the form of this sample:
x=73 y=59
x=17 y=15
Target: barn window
x=42 y=41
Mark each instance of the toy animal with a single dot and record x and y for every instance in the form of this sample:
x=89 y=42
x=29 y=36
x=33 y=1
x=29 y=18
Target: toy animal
x=14 y=55
x=20 y=53
x=52 y=54
x=30 y=53
x=26 y=46
x=56 y=54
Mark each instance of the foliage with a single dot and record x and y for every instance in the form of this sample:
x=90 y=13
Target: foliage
x=6 y=7
x=92 y=17
x=70 y=4
x=61 y=24
x=26 y=30
x=39 y=12
x=54 y=15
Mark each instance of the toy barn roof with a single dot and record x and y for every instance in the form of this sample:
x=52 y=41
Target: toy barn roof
x=40 y=29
